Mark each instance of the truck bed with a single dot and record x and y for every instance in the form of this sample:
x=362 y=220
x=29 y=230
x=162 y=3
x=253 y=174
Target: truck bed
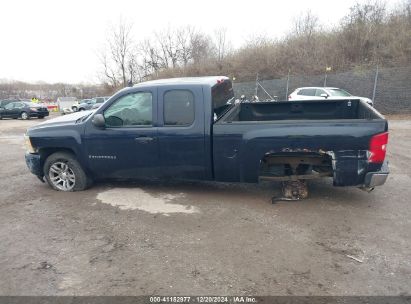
x=302 y=110
x=252 y=139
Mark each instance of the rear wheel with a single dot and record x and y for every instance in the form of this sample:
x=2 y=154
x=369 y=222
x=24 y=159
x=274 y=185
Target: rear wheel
x=74 y=109
x=24 y=115
x=64 y=173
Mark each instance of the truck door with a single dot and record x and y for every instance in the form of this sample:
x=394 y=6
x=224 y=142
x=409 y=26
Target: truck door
x=181 y=132
x=9 y=110
x=128 y=145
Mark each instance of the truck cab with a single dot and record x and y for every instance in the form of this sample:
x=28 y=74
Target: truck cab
x=155 y=130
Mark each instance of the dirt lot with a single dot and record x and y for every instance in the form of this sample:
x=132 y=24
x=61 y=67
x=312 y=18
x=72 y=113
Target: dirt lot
x=202 y=238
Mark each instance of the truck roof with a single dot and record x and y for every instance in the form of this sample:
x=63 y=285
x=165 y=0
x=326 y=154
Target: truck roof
x=206 y=80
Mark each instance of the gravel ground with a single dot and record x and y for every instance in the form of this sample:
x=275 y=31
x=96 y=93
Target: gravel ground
x=202 y=238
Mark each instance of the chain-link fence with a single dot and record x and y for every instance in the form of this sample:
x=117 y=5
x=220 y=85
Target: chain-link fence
x=392 y=86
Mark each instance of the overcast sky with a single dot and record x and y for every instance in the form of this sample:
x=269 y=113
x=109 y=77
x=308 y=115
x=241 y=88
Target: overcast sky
x=58 y=41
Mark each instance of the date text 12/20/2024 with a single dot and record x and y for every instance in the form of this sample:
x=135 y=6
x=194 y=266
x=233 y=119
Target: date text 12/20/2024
x=203 y=299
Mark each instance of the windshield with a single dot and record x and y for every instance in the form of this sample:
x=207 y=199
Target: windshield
x=339 y=92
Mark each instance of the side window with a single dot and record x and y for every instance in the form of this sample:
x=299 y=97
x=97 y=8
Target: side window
x=134 y=109
x=9 y=106
x=18 y=105
x=178 y=108
x=306 y=92
x=319 y=92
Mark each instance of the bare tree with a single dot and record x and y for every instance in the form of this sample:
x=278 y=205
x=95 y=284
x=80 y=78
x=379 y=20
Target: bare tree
x=109 y=75
x=151 y=61
x=202 y=48
x=118 y=56
x=184 y=37
x=169 y=47
x=362 y=32
x=306 y=24
x=220 y=40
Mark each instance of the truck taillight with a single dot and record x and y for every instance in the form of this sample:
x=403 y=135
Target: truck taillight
x=289 y=97
x=378 y=148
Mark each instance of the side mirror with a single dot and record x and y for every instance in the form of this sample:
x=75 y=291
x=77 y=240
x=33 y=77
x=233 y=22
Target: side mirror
x=99 y=121
x=324 y=95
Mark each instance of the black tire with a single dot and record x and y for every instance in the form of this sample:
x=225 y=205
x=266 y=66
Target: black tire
x=40 y=117
x=81 y=180
x=74 y=109
x=24 y=115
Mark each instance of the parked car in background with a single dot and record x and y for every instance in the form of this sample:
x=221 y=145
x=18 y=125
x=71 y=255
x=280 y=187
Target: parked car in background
x=24 y=110
x=75 y=106
x=97 y=105
x=323 y=93
x=88 y=105
x=7 y=101
x=64 y=103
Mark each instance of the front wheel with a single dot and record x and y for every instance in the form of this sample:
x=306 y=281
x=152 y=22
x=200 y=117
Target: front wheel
x=24 y=115
x=64 y=173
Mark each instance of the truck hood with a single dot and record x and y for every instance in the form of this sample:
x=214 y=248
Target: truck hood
x=68 y=119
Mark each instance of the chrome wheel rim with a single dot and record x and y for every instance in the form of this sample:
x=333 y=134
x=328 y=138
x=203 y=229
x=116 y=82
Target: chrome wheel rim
x=24 y=115
x=62 y=176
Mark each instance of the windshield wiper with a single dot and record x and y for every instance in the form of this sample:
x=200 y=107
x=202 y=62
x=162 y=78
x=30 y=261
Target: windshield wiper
x=83 y=118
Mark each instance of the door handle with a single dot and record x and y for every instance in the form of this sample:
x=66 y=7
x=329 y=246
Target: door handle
x=143 y=139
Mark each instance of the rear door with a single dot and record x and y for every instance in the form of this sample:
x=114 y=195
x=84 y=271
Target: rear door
x=306 y=94
x=318 y=93
x=181 y=132
x=7 y=109
x=13 y=109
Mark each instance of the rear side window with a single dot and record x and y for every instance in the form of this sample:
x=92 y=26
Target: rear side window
x=306 y=92
x=178 y=108
x=319 y=92
x=9 y=106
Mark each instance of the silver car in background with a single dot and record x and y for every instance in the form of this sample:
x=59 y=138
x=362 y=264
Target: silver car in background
x=323 y=93
x=89 y=104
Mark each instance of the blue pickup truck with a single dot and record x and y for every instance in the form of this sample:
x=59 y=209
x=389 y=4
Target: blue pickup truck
x=191 y=128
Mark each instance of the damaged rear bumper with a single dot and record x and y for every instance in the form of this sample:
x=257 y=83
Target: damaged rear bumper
x=373 y=179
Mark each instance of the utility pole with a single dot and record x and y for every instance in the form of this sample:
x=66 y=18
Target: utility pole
x=256 y=85
x=286 y=88
x=327 y=69
x=375 y=84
